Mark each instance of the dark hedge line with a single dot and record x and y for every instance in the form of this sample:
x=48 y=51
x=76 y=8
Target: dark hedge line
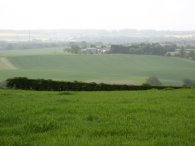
x=50 y=85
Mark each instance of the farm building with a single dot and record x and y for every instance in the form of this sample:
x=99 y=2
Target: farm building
x=93 y=51
x=89 y=51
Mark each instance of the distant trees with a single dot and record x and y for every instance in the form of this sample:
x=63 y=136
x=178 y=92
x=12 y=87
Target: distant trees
x=93 y=46
x=154 y=81
x=171 y=47
x=143 y=48
x=182 y=53
x=165 y=49
x=188 y=83
x=75 y=49
x=119 y=49
x=191 y=55
x=148 y=49
x=187 y=45
x=185 y=54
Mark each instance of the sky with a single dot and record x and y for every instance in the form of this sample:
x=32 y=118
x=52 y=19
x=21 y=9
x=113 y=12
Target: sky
x=98 y=14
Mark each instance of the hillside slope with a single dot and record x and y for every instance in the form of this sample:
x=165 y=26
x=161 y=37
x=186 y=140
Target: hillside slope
x=131 y=69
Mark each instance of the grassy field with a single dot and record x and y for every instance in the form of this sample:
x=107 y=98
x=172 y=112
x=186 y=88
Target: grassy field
x=27 y=52
x=126 y=69
x=119 y=118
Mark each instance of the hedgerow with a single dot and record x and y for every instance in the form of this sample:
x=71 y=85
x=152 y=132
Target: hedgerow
x=50 y=85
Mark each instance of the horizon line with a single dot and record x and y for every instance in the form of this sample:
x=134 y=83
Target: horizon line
x=95 y=29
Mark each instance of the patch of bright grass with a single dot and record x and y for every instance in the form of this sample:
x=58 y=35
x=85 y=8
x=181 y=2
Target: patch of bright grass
x=118 y=118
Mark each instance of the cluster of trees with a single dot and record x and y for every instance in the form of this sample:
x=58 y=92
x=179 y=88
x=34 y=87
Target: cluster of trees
x=75 y=49
x=144 y=48
x=188 y=83
x=49 y=85
x=186 y=54
x=187 y=45
x=154 y=81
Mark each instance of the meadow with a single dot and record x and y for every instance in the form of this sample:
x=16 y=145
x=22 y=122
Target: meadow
x=116 y=118
x=108 y=68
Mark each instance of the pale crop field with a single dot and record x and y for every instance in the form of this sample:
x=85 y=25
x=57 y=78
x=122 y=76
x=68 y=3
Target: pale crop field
x=122 y=69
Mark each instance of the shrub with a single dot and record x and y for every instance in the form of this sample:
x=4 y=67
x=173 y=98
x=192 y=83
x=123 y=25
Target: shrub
x=188 y=83
x=154 y=81
x=49 y=85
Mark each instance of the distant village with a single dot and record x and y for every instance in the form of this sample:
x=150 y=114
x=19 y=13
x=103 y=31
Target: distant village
x=94 y=51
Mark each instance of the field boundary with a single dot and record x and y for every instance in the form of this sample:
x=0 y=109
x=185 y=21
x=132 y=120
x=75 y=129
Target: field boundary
x=50 y=85
x=6 y=64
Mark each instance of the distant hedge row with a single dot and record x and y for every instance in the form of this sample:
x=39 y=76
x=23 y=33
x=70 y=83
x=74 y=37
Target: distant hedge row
x=50 y=85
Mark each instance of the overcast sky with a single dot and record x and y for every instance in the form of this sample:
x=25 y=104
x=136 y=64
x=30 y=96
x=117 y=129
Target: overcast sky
x=98 y=14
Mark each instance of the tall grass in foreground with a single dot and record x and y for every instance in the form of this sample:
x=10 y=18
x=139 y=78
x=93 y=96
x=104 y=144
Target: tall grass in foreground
x=117 y=118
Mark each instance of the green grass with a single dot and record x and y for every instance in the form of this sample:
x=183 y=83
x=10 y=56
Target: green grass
x=119 y=118
x=130 y=69
x=27 y=52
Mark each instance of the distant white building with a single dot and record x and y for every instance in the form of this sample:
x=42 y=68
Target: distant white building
x=94 y=51
x=89 y=51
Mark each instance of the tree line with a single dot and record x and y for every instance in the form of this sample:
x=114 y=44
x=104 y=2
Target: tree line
x=144 y=48
x=50 y=85
x=183 y=53
x=154 y=81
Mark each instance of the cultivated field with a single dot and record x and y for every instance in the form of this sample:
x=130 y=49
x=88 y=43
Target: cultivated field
x=119 y=118
x=125 y=69
x=6 y=64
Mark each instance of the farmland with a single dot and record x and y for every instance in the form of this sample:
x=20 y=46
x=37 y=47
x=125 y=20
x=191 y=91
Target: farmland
x=122 y=69
x=152 y=117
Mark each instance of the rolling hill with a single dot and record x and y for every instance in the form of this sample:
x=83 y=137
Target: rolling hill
x=130 y=69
